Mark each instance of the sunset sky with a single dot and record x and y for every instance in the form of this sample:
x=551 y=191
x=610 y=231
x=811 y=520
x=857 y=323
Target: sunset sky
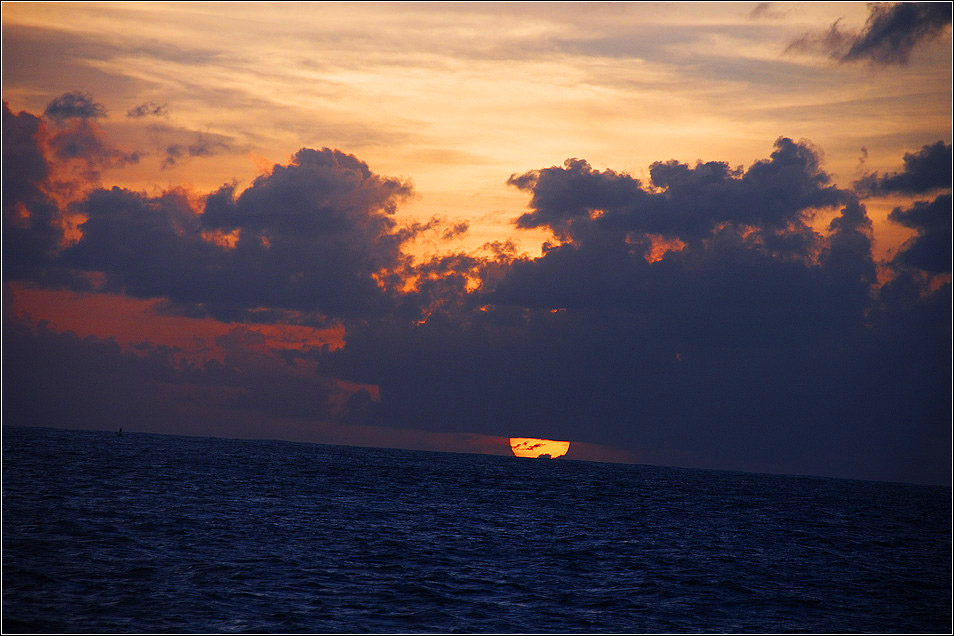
x=704 y=235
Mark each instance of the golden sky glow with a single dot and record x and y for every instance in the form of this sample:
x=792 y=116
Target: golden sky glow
x=458 y=97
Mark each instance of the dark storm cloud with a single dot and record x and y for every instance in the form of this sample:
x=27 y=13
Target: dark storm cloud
x=312 y=234
x=267 y=383
x=147 y=109
x=760 y=342
x=925 y=170
x=738 y=362
x=74 y=105
x=930 y=250
x=755 y=342
x=563 y=194
x=693 y=200
x=889 y=36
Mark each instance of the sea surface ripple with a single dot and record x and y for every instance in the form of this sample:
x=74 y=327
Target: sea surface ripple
x=154 y=533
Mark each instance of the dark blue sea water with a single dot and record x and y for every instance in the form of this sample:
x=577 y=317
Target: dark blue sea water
x=152 y=533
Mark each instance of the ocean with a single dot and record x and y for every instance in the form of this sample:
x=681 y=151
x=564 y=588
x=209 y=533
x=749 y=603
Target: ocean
x=157 y=533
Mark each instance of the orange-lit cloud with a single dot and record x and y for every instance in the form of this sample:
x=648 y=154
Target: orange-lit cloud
x=660 y=245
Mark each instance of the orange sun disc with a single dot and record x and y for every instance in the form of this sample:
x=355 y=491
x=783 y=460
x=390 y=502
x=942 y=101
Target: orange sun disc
x=533 y=447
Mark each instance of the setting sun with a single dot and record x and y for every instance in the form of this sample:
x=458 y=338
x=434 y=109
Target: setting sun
x=533 y=447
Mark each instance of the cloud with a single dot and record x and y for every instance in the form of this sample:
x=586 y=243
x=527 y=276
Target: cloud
x=30 y=230
x=83 y=140
x=87 y=382
x=455 y=231
x=889 y=36
x=43 y=172
x=739 y=286
x=25 y=165
x=204 y=145
x=175 y=145
x=696 y=319
x=74 y=105
x=764 y=10
x=76 y=136
x=892 y=32
x=309 y=236
x=682 y=201
x=145 y=246
x=758 y=340
x=925 y=170
x=319 y=192
x=314 y=237
x=930 y=250
x=98 y=385
x=147 y=109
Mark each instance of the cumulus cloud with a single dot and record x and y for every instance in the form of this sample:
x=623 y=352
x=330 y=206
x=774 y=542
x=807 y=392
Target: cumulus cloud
x=74 y=105
x=930 y=250
x=696 y=319
x=145 y=246
x=683 y=201
x=78 y=137
x=316 y=236
x=75 y=138
x=43 y=172
x=25 y=165
x=756 y=334
x=889 y=36
x=925 y=170
x=30 y=230
x=309 y=236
